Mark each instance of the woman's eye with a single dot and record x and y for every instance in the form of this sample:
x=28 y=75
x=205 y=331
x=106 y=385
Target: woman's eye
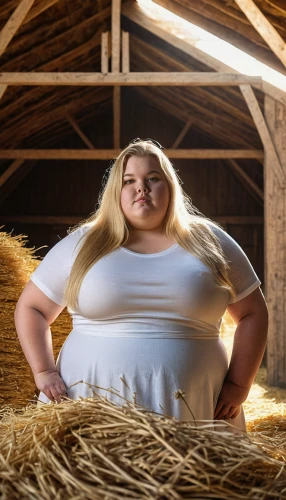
x=129 y=181
x=153 y=179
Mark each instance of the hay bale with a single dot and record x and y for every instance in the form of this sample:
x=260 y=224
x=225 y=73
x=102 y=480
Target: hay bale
x=272 y=429
x=17 y=262
x=95 y=449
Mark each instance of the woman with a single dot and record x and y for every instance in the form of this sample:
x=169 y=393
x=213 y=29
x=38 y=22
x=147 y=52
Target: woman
x=146 y=281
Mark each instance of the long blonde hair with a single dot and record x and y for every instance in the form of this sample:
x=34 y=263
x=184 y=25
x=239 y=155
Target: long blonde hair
x=108 y=228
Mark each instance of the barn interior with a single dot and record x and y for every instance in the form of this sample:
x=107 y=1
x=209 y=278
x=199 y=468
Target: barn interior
x=48 y=131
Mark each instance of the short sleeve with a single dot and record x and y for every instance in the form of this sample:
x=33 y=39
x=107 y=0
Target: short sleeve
x=53 y=271
x=240 y=273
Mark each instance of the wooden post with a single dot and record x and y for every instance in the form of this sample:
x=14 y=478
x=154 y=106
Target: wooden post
x=275 y=245
x=125 y=52
x=115 y=36
x=104 y=52
x=116 y=117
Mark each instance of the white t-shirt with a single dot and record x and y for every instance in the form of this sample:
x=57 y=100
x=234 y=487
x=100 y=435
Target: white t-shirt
x=170 y=293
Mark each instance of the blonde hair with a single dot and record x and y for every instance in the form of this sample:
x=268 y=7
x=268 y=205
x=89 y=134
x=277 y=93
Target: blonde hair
x=108 y=228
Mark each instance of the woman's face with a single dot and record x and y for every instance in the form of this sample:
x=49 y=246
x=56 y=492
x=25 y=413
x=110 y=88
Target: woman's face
x=145 y=193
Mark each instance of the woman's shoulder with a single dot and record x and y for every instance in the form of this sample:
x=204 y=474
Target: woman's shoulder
x=68 y=243
x=78 y=232
x=228 y=244
x=208 y=224
x=75 y=237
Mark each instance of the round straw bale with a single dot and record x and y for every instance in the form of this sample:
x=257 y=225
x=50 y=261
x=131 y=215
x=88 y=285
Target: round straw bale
x=95 y=449
x=17 y=262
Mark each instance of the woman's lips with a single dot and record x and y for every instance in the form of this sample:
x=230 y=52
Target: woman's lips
x=143 y=200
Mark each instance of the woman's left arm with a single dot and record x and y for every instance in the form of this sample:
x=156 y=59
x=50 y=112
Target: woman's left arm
x=251 y=317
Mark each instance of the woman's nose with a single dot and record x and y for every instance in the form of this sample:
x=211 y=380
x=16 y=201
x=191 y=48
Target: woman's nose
x=142 y=188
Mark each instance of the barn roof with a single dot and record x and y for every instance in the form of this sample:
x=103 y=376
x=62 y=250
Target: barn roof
x=59 y=36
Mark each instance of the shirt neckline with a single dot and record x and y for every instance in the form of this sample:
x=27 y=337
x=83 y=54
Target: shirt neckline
x=147 y=255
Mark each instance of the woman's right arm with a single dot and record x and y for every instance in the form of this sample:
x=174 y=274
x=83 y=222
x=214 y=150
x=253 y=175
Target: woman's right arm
x=34 y=314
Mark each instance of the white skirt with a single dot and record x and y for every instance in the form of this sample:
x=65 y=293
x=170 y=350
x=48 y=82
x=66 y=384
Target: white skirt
x=149 y=372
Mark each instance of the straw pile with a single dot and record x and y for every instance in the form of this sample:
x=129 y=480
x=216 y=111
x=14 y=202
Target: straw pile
x=17 y=262
x=94 y=449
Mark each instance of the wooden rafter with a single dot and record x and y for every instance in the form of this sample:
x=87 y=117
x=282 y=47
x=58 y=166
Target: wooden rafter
x=133 y=12
x=107 y=154
x=165 y=100
x=75 y=219
x=10 y=28
x=47 y=120
x=131 y=79
x=14 y=23
x=40 y=7
x=12 y=181
x=264 y=28
x=79 y=132
x=144 y=54
x=10 y=171
x=244 y=177
x=182 y=134
x=263 y=131
x=3 y=89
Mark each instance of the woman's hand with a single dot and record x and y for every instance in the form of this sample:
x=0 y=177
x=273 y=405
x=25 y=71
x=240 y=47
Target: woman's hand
x=50 y=383
x=229 y=401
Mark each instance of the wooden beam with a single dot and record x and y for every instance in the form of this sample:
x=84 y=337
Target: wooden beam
x=10 y=171
x=182 y=134
x=243 y=175
x=107 y=154
x=275 y=247
x=203 y=118
x=242 y=181
x=132 y=11
x=263 y=131
x=13 y=181
x=40 y=7
x=125 y=52
x=75 y=219
x=42 y=219
x=81 y=134
x=104 y=52
x=264 y=28
x=116 y=117
x=3 y=89
x=130 y=79
x=14 y=23
x=115 y=36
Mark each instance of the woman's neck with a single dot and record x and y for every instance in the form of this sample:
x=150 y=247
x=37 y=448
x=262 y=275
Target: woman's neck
x=146 y=234
x=149 y=241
